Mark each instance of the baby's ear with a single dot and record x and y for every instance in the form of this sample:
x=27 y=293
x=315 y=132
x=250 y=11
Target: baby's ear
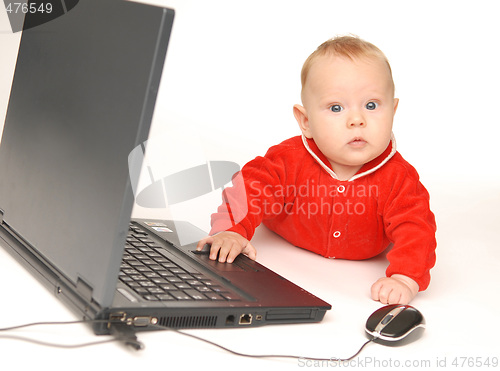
x=300 y=114
x=396 y=102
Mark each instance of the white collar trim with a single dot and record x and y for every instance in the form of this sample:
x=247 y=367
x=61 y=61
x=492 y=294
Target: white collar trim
x=356 y=176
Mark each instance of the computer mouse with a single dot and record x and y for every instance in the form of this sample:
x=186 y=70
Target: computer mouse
x=395 y=324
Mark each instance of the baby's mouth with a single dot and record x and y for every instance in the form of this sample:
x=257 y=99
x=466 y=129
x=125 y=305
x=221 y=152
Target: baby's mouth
x=357 y=142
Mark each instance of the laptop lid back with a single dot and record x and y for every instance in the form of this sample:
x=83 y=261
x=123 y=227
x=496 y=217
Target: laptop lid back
x=82 y=98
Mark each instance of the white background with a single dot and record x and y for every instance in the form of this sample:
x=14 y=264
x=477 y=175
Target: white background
x=229 y=84
x=233 y=74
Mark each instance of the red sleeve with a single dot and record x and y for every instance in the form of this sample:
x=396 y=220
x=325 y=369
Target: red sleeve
x=410 y=225
x=245 y=203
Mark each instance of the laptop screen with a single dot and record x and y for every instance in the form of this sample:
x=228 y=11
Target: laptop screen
x=82 y=98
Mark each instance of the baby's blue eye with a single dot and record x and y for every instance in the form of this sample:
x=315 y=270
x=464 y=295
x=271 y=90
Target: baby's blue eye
x=371 y=105
x=336 y=108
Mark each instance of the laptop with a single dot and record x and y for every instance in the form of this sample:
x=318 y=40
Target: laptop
x=82 y=98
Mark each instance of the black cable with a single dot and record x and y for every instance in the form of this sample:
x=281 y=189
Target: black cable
x=270 y=355
x=129 y=338
x=53 y=324
x=54 y=345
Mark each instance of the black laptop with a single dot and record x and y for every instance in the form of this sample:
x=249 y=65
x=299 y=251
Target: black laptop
x=82 y=99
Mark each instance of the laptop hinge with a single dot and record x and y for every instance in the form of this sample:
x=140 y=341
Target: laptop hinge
x=84 y=289
x=1 y=216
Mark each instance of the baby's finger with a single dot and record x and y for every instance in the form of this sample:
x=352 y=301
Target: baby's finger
x=375 y=290
x=384 y=293
x=394 y=297
x=203 y=242
x=225 y=250
x=233 y=253
x=250 y=251
x=215 y=249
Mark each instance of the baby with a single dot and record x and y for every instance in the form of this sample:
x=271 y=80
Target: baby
x=340 y=189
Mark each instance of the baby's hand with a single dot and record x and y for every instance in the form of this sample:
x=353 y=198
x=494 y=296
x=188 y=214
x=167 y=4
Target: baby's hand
x=228 y=245
x=397 y=289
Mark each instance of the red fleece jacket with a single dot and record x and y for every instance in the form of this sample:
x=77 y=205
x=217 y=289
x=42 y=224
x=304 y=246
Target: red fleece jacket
x=294 y=192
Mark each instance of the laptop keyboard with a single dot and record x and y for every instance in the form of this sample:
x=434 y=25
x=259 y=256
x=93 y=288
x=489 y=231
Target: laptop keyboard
x=157 y=277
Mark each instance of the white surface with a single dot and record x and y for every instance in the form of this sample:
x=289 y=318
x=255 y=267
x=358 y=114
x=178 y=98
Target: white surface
x=231 y=79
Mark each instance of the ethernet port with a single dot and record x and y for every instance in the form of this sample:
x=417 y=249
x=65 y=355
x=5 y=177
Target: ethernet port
x=245 y=319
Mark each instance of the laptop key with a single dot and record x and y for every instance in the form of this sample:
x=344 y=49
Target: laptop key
x=179 y=295
x=161 y=260
x=168 y=287
x=203 y=289
x=165 y=297
x=182 y=286
x=135 y=263
x=152 y=275
x=177 y=271
x=145 y=240
x=142 y=268
x=138 y=277
x=230 y=297
x=164 y=273
x=218 y=289
x=133 y=284
x=214 y=296
x=147 y=284
x=129 y=271
x=196 y=295
x=156 y=267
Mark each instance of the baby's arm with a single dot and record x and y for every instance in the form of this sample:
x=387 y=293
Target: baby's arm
x=228 y=245
x=397 y=289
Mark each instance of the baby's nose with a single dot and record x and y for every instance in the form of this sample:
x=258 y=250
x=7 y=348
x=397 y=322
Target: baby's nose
x=356 y=121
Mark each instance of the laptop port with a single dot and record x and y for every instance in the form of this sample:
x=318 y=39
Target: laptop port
x=245 y=319
x=143 y=321
x=117 y=317
x=230 y=320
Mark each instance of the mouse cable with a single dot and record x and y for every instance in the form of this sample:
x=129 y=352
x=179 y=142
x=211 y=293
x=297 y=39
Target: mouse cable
x=333 y=359
x=126 y=335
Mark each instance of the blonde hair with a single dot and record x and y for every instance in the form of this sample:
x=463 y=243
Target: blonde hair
x=351 y=47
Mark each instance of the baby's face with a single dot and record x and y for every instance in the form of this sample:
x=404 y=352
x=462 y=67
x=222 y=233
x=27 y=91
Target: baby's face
x=349 y=108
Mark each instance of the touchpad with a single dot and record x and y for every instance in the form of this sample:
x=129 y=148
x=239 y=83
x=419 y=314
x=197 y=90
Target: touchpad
x=239 y=264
